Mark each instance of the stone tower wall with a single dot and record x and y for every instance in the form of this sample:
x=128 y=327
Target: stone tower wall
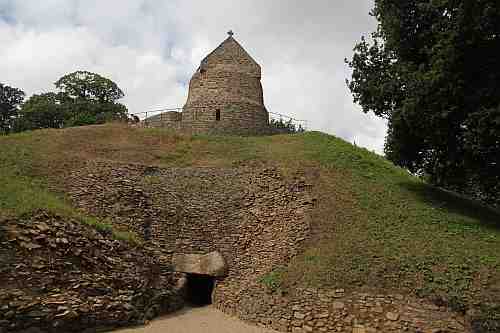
x=235 y=118
x=225 y=94
x=171 y=120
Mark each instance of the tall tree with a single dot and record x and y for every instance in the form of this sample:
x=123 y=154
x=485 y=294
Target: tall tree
x=89 y=86
x=91 y=98
x=84 y=98
x=43 y=111
x=432 y=69
x=10 y=99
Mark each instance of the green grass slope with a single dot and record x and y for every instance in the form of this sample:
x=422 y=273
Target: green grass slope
x=375 y=226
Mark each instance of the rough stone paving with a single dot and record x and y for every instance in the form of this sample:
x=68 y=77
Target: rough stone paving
x=59 y=275
x=258 y=221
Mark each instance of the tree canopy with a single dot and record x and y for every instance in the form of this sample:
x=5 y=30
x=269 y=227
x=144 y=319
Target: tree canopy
x=89 y=86
x=42 y=111
x=10 y=99
x=84 y=98
x=432 y=69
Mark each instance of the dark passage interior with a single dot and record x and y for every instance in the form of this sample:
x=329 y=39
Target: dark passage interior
x=199 y=289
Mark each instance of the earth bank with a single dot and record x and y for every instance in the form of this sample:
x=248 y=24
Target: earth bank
x=372 y=228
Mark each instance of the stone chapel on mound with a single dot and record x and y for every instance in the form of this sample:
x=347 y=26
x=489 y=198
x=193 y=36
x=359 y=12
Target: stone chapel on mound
x=225 y=96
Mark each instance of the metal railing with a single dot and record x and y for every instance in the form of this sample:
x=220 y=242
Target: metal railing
x=151 y=113
x=147 y=118
x=298 y=124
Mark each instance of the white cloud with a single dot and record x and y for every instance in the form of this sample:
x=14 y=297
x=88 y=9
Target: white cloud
x=152 y=47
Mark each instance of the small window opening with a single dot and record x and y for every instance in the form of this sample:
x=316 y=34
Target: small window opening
x=217 y=115
x=199 y=289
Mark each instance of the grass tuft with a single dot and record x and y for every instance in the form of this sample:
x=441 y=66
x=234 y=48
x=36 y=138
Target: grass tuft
x=274 y=279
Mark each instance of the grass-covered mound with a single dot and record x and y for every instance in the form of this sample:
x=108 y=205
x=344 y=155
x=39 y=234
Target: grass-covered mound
x=375 y=226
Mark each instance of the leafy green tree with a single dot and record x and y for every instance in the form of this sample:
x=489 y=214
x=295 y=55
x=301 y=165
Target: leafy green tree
x=89 y=86
x=10 y=99
x=91 y=98
x=42 y=111
x=84 y=99
x=432 y=69
x=82 y=112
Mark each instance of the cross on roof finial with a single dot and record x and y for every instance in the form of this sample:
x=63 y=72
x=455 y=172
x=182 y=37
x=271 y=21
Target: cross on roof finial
x=230 y=33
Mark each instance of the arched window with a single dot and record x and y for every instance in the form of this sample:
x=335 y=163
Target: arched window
x=217 y=115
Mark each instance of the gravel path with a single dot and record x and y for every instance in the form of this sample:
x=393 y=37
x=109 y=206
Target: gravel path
x=197 y=320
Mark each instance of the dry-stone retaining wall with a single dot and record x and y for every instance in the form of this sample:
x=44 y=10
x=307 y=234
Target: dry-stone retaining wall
x=258 y=221
x=310 y=310
x=59 y=275
x=255 y=218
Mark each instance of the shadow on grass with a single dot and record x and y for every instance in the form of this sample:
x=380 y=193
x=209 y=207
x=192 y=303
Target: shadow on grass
x=455 y=203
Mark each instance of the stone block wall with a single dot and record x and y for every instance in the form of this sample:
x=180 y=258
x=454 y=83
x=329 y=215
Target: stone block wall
x=340 y=310
x=225 y=94
x=258 y=221
x=171 y=120
x=236 y=118
x=60 y=275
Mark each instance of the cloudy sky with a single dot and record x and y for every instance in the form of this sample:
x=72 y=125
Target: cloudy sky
x=150 y=48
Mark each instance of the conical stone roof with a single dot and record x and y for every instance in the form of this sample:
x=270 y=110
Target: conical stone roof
x=234 y=53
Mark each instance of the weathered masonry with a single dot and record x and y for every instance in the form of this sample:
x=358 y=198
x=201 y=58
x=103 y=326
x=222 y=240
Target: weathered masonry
x=225 y=95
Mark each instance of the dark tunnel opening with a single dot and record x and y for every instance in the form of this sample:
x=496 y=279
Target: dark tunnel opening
x=199 y=289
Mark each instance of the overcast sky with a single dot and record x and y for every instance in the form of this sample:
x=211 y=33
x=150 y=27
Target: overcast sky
x=150 y=48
